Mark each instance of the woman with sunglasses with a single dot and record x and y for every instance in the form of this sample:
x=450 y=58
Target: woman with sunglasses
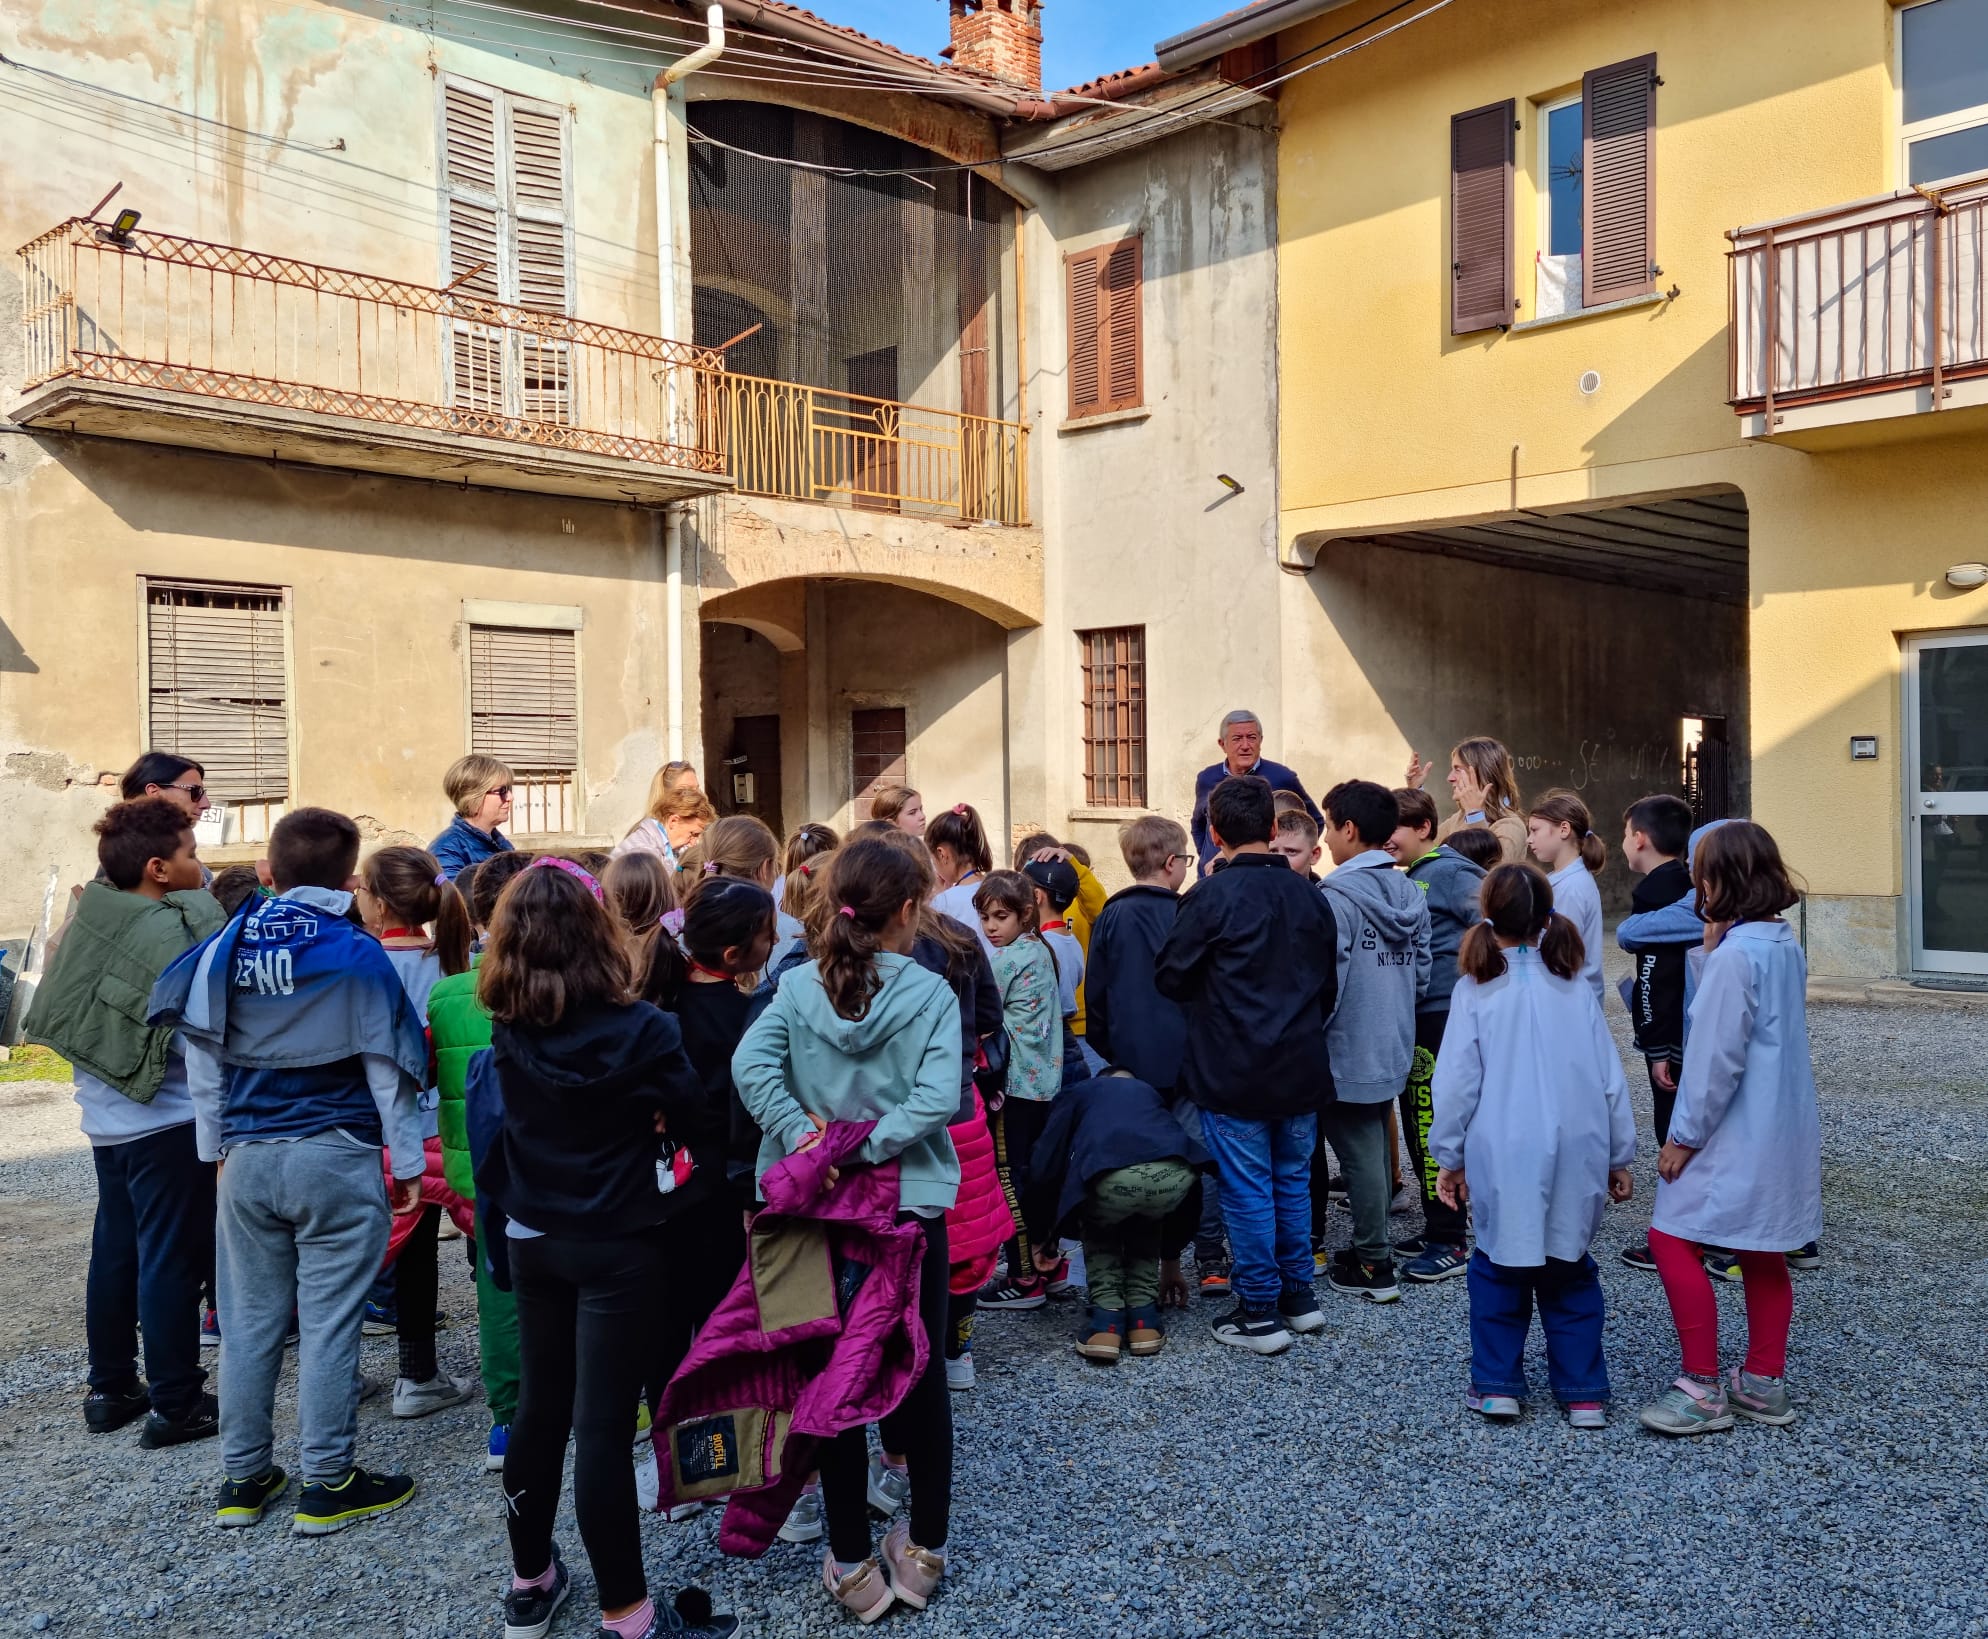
x=480 y=787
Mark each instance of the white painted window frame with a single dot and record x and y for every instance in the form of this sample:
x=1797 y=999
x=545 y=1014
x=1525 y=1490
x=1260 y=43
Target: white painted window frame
x=1961 y=119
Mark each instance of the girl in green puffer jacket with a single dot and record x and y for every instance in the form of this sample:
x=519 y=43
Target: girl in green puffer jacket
x=459 y=1029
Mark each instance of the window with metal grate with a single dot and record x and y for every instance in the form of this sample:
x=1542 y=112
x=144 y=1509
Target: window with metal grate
x=1114 y=673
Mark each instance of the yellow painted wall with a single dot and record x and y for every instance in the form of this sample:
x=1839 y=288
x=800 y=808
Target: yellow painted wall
x=1767 y=109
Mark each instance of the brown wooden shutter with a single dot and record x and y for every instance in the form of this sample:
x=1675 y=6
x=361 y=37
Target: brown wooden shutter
x=1107 y=370
x=524 y=701
x=1124 y=374
x=1481 y=248
x=1086 y=338
x=218 y=685
x=1618 y=194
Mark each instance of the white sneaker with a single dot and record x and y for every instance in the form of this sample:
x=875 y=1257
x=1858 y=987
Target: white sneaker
x=959 y=1373
x=411 y=1399
x=805 y=1523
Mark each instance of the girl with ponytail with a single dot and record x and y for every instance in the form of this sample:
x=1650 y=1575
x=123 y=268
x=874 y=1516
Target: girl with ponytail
x=1532 y=1129
x=408 y=903
x=864 y=1034
x=1560 y=834
x=962 y=859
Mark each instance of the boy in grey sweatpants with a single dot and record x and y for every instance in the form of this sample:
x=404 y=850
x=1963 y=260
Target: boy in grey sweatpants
x=1383 y=968
x=303 y=1059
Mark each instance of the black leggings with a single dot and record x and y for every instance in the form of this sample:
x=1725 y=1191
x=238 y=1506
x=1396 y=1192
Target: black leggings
x=704 y=1248
x=921 y=1428
x=587 y=1340
x=416 y=1283
x=1016 y=1126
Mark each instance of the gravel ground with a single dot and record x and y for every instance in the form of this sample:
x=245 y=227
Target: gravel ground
x=1342 y=1488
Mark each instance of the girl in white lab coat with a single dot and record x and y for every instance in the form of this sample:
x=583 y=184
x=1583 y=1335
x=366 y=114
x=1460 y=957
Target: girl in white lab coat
x=1560 y=834
x=1742 y=1167
x=1532 y=1126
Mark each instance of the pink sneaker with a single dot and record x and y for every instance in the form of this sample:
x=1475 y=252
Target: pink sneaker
x=914 y=1572
x=863 y=1592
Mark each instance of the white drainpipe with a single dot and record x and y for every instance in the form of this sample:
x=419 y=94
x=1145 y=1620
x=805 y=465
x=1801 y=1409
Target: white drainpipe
x=667 y=263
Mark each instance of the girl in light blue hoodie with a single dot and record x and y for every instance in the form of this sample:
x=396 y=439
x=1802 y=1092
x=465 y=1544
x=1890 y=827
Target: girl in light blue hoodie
x=866 y=1034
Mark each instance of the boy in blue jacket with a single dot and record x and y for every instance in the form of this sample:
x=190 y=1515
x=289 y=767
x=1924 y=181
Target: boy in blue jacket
x=303 y=1059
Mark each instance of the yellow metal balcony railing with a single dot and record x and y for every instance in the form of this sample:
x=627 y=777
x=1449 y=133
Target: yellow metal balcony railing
x=1888 y=296
x=185 y=317
x=815 y=444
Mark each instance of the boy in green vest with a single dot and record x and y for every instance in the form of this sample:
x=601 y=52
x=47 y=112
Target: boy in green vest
x=153 y=1246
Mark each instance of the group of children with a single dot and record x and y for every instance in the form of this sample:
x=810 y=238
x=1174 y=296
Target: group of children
x=587 y=1063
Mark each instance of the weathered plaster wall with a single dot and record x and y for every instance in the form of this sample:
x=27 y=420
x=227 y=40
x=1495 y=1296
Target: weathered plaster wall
x=1137 y=530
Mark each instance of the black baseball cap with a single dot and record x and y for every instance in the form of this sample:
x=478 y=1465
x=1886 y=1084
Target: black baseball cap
x=1055 y=877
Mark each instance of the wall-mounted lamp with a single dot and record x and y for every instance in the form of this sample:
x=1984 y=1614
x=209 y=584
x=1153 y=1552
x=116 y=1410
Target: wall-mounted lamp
x=1228 y=483
x=119 y=231
x=1964 y=577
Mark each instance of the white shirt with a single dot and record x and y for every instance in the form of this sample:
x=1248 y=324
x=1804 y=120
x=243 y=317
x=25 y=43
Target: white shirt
x=1530 y=1102
x=1746 y=1102
x=1576 y=897
x=957 y=902
x=111 y=1118
x=420 y=972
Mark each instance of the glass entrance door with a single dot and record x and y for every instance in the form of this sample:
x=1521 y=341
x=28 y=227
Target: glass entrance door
x=1946 y=715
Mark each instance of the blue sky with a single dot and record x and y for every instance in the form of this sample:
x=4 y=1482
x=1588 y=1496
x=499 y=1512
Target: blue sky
x=1081 y=39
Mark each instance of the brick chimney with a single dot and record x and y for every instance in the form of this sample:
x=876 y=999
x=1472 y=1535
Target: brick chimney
x=999 y=37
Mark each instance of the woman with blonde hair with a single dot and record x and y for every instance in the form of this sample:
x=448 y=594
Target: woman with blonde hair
x=676 y=818
x=480 y=789
x=1486 y=791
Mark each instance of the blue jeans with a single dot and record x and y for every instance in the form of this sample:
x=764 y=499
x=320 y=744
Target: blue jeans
x=151 y=1253
x=1570 y=1314
x=1265 y=1169
x=1208 y=1234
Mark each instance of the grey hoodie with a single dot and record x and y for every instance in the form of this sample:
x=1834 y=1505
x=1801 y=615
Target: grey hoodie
x=1383 y=966
x=1451 y=883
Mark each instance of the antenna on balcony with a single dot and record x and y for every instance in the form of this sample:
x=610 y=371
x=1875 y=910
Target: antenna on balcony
x=119 y=231
x=724 y=346
x=115 y=189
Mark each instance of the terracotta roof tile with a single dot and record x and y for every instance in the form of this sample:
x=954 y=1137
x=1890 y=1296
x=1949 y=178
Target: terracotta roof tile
x=1104 y=84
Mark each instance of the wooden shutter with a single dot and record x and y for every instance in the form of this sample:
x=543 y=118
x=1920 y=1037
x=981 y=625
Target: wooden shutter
x=1106 y=364
x=1086 y=343
x=1618 y=195
x=524 y=700
x=1124 y=370
x=1481 y=250
x=218 y=685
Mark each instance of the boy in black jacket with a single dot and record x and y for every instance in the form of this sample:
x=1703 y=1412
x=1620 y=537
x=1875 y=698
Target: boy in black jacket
x=1250 y=956
x=1131 y=1025
x=1656 y=830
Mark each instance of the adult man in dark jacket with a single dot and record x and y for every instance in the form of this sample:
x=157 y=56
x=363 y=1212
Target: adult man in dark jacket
x=1241 y=742
x=1250 y=956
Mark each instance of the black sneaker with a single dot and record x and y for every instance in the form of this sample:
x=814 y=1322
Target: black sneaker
x=1009 y=1294
x=1259 y=1331
x=1409 y=1249
x=1214 y=1277
x=108 y=1412
x=1808 y=1256
x=203 y=1422
x=528 y=1612
x=688 y=1616
x=1722 y=1264
x=325 y=1508
x=1336 y=1185
x=1299 y=1311
x=1374 y=1282
x=1637 y=1255
x=242 y=1501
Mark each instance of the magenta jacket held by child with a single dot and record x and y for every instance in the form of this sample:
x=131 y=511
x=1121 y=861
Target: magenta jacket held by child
x=819 y=1333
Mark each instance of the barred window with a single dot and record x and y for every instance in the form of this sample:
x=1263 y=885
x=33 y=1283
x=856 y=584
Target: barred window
x=524 y=710
x=218 y=693
x=1114 y=662
x=876 y=755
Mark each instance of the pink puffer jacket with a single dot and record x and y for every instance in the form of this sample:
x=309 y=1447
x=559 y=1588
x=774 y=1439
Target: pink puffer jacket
x=978 y=1224
x=435 y=1191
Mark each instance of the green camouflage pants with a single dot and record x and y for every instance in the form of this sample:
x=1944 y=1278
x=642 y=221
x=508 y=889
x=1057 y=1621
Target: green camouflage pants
x=1121 y=1226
